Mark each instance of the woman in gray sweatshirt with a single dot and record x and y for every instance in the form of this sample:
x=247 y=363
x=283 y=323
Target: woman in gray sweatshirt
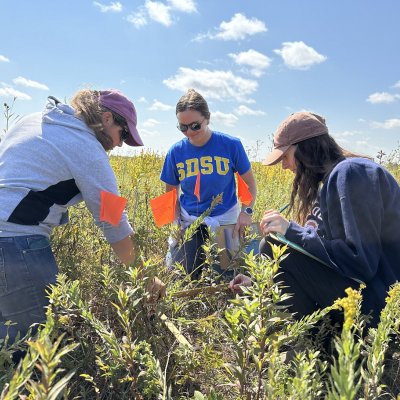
x=48 y=162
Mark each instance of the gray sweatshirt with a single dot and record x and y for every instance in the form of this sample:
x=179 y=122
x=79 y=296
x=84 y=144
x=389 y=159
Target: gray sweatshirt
x=49 y=162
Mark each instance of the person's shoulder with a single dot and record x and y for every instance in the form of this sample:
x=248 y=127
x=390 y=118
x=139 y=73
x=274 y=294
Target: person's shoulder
x=354 y=164
x=226 y=138
x=179 y=146
x=27 y=120
x=33 y=117
x=356 y=170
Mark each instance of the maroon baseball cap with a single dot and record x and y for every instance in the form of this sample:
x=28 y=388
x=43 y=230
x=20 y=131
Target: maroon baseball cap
x=294 y=129
x=117 y=102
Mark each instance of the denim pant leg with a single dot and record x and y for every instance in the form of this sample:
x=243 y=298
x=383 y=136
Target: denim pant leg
x=191 y=254
x=27 y=267
x=312 y=284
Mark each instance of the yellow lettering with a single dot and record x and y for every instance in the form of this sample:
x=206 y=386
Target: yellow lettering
x=192 y=166
x=206 y=165
x=222 y=165
x=181 y=171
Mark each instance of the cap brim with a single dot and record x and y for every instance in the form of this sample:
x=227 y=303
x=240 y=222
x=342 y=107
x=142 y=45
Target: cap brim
x=134 y=138
x=275 y=156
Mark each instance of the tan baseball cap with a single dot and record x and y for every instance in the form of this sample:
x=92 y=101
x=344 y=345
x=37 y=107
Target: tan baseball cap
x=294 y=129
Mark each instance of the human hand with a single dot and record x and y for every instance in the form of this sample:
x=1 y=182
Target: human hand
x=242 y=221
x=273 y=221
x=156 y=290
x=238 y=281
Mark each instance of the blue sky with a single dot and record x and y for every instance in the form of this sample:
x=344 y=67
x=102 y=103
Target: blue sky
x=255 y=62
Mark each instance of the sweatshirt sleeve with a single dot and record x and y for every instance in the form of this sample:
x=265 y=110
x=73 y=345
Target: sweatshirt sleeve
x=352 y=213
x=92 y=176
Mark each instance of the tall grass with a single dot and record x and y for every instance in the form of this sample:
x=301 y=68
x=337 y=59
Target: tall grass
x=102 y=339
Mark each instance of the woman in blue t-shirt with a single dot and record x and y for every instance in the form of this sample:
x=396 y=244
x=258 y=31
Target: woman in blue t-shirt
x=211 y=159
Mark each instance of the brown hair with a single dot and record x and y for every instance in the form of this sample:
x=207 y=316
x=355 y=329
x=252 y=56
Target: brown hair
x=315 y=158
x=88 y=108
x=193 y=100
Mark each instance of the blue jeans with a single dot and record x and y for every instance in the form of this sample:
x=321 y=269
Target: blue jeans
x=27 y=267
x=192 y=256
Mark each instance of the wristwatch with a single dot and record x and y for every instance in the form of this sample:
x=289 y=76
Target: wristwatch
x=248 y=211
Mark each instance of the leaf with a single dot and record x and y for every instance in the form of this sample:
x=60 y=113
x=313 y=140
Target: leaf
x=60 y=386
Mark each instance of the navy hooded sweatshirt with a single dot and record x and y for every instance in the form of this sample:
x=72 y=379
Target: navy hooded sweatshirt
x=360 y=231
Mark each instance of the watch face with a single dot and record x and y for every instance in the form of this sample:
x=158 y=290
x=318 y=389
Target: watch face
x=248 y=210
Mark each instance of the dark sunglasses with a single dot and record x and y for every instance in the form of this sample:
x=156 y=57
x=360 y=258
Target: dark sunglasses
x=121 y=121
x=124 y=134
x=194 y=126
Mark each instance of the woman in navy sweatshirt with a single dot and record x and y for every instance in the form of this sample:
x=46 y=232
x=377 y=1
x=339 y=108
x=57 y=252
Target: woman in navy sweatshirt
x=349 y=213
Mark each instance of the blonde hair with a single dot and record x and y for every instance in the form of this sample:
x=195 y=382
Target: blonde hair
x=88 y=108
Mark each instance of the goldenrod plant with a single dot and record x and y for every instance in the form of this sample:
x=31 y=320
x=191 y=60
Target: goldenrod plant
x=103 y=340
x=378 y=343
x=346 y=379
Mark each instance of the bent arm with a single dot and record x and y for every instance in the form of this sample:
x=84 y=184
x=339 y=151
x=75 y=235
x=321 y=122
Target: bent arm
x=125 y=250
x=168 y=188
x=353 y=222
x=243 y=218
x=250 y=181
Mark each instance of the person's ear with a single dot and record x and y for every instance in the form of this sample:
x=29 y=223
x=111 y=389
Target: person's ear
x=107 y=118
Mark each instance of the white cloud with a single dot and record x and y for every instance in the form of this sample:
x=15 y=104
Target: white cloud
x=158 y=106
x=148 y=133
x=142 y=100
x=244 y=110
x=224 y=119
x=382 y=97
x=342 y=141
x=346 y=134
x=239 y=27
x=257 y=62
x=29 y=83
x=347 y=138
x=187 y=6
x=218 y=85
x=396 y=85
x=150 y=123
x=112 y=7
x=236 y=29
x=388 y=124
x=11 y=92
x=137 y=18
x=4 y=58
x=298 y=55
x=159 y=12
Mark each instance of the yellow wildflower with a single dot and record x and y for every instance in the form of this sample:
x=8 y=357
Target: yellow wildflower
x=349 y=305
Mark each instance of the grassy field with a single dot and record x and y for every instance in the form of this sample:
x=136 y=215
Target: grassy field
x=103 y=341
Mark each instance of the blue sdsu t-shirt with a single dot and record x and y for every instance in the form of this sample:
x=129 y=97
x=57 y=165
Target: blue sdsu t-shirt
x=217 y=161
